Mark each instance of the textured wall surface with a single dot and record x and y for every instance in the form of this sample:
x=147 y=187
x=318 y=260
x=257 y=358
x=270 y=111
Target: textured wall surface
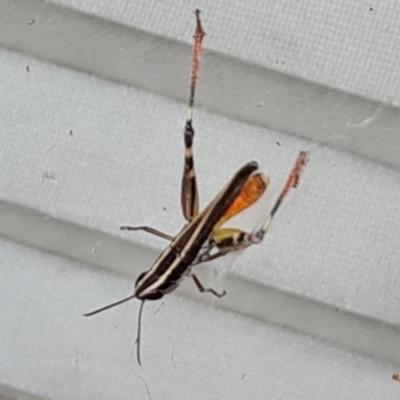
x=311 y=313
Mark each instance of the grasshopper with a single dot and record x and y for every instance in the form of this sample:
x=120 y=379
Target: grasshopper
x=203 y=238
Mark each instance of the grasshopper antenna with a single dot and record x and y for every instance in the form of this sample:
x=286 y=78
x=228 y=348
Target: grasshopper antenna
x=138 y=333
x=117 y=303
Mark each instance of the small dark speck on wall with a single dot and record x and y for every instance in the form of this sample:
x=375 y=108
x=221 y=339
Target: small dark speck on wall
x=28 y=69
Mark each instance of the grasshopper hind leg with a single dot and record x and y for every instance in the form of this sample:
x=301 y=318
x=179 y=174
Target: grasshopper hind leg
x=190 y=195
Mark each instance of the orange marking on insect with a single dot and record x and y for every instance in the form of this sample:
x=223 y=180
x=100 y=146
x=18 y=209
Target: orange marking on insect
x=252 y=191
